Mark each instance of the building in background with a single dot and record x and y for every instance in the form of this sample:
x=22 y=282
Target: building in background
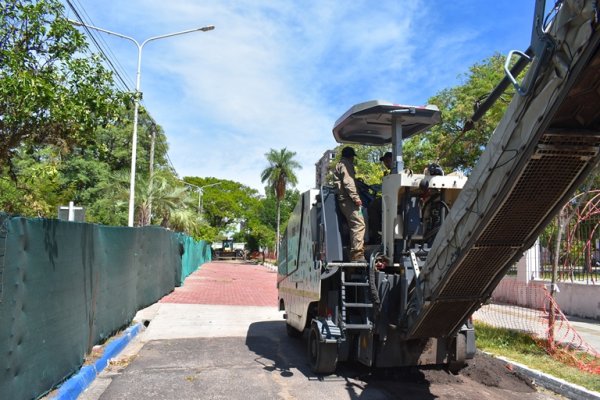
x=322 y=167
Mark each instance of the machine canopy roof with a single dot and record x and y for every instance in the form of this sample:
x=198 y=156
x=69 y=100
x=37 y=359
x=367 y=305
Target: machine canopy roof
x=370 y=122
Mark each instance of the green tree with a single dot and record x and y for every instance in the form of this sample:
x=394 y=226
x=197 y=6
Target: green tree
x=207 y=232
x=259 y=236
x=110 y=205
x=224 y=206
x=37 y=191
x=450 y=143
x=368 y=167
x=43 y=179
x=51 y=90
x=267 y=213
x=112 y=150
x=278 y=175
x=157 y=195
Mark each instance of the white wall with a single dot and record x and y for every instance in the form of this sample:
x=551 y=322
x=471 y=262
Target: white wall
x=575 y=299
x=579 y=299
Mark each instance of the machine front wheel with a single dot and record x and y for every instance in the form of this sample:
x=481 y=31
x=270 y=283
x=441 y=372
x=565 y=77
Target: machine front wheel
x=322 y=356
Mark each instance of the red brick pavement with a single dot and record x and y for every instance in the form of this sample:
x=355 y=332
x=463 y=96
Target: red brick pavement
x=226 y=283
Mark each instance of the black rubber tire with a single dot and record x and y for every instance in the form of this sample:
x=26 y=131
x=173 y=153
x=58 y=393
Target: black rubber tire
x=322 y=356
x=292 y=332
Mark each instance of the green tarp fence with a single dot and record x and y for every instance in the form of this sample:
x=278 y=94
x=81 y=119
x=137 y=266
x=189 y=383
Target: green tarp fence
x=66 y=286
x=194 y=254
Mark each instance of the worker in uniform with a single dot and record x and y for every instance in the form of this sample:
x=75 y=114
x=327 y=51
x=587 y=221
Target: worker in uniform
x=350 y=202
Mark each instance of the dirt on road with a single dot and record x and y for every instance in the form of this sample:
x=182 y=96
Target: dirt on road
x=496 y=373
x=484 y=378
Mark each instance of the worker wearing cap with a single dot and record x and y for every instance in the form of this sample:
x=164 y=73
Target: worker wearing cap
x=387 y=160
x=350 y=203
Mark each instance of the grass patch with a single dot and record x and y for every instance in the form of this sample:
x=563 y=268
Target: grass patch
x=522 y=348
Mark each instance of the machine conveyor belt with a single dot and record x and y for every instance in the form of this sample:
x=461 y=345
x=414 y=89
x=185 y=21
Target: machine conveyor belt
x=545 y=146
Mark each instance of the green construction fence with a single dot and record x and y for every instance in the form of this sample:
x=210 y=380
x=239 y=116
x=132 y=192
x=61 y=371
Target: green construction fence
x=66 y=286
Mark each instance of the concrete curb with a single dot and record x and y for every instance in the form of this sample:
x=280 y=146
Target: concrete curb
x=557 y=385
x=73 y=387
x=269 y=266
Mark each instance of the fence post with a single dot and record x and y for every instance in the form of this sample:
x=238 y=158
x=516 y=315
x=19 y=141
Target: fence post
x=528 y=267
x=533 y=262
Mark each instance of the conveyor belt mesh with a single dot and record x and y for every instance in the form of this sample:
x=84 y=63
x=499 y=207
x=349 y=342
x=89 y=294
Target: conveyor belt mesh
x=547 y=171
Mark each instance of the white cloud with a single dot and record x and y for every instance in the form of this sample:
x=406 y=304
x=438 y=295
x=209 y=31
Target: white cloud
x=277 y=74
x=267 y=77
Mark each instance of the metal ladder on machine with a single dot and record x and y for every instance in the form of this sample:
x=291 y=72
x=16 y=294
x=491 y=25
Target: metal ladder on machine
x=360 y=301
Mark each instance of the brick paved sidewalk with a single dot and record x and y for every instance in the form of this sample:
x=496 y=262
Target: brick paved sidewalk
x=227 y=283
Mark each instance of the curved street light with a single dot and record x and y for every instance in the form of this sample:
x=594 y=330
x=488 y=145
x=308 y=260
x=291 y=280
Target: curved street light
x=200 y=194
x=138 y=96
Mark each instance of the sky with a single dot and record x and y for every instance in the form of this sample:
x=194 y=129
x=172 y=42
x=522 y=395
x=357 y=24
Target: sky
x=278 y=74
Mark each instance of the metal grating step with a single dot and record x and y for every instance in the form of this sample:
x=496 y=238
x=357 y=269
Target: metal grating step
x=356 y=284
x=363 y=327
x=358 y=305
x=347 y=264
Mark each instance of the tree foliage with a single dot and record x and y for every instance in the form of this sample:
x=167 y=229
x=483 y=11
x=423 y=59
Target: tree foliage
x=65 y=135
x=224 y=205
x=163 y=199
x=233 y=210
x=280 y=172
x=278 y=175
x=450 y=144
x=95 y=176
x=259 y=236
x=268 y=211
x=51 y=90
x=65 y=131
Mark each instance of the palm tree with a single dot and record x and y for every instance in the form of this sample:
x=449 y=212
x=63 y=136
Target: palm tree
x=167 y=200
x=278 y=175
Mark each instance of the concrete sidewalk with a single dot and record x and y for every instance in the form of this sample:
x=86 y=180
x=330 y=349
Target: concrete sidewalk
x=588 y=329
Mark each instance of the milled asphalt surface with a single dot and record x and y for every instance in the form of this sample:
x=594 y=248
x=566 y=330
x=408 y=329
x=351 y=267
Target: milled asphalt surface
x=220 y=336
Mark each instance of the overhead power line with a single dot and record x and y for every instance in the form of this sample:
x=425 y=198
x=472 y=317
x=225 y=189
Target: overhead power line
x=112 y=61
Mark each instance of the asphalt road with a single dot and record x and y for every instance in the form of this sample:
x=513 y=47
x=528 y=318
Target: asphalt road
x=198 y=350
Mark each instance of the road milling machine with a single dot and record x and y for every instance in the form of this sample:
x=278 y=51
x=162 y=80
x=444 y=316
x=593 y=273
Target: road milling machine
x=446 y=241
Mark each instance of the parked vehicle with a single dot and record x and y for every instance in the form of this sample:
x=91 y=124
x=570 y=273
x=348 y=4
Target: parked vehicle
x=229 y=250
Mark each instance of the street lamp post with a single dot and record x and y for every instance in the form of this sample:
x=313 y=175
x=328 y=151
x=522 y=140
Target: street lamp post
x=138 y=96
x=201 y=194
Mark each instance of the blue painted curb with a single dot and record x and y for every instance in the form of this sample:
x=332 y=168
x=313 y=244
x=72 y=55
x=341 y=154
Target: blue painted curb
x=73 y=387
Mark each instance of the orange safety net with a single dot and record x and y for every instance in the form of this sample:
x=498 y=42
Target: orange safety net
x=529 y=308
